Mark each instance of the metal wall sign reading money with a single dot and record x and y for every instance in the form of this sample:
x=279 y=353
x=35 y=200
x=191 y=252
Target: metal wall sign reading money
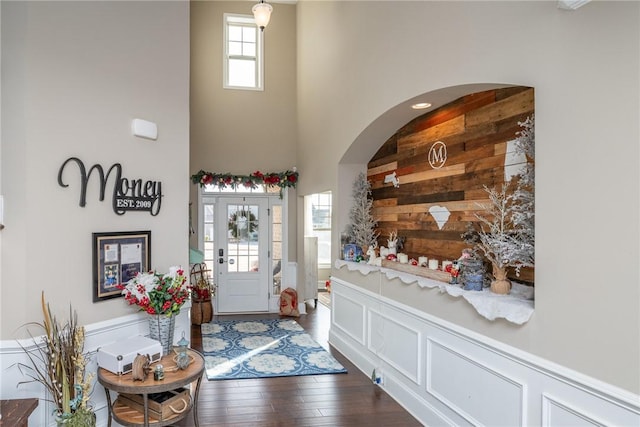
x=128 y=194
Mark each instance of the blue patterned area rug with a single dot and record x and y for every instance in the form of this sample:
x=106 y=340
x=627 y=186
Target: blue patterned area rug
x=236 y=349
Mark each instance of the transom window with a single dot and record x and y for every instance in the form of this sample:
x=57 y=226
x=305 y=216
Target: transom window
x=243 y=61
x=241 y=189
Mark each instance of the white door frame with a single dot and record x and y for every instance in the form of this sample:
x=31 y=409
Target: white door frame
x=243 y=263
x=213 y=198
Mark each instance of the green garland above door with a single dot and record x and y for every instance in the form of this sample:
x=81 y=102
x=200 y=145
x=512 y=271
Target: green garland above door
x=286 y=179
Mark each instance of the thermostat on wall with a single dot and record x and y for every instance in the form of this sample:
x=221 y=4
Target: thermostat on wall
x=145 y=129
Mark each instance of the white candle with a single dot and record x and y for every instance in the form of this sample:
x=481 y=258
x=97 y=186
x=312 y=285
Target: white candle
x=433 y=264
x=444 y=265
x=423 y=261
x=403 y=258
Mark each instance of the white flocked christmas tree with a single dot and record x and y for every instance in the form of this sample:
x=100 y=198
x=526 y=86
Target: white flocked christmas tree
x=505 y=235
x=361 y=229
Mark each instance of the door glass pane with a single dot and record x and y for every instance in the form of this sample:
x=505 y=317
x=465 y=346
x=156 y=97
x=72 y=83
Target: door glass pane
x=208 y=232
x=276 y=248
x=243 y=243
x=208 y=235
x=208 y=213
x=209 y=253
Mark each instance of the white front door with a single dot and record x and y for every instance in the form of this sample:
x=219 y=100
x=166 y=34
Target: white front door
x=242 y=254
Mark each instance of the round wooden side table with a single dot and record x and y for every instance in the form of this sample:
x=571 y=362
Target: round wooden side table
x=174 y=378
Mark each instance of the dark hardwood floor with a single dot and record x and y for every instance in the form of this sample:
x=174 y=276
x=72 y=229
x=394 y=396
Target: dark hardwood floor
x=319 y=400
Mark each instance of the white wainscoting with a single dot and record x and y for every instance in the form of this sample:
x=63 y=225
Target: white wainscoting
x=96 y=335
x=446 y=375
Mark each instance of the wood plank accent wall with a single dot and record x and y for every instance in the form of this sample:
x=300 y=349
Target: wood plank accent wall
x=475 y=129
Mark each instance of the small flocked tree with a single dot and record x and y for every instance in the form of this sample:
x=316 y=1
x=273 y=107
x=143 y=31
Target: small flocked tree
x=523 y=197
x=505 y=234
x=361 y=229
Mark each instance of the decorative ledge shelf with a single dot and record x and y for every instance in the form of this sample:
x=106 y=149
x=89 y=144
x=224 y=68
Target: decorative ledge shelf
x=517 y=307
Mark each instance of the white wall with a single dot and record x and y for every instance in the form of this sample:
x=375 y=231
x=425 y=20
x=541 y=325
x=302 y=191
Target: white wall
x=242 y=131
x=357 y=60
x=74 y=76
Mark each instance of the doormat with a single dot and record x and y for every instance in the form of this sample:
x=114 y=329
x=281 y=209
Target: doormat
x=237 y=349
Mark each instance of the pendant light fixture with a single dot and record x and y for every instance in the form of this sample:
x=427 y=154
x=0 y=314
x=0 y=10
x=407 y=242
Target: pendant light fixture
x=262 y=14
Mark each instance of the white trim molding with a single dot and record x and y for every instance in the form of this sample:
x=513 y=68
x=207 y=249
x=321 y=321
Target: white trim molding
x=444 y=374
x=517 y=307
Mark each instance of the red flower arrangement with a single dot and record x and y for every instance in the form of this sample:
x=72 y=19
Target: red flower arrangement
x=202 y=290
x=157 y=293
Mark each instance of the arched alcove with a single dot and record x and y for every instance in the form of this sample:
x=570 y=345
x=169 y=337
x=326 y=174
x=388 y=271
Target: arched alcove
x=380 y=129
x=476 y=125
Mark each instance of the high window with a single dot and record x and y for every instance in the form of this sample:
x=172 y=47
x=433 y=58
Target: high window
x=243 y=61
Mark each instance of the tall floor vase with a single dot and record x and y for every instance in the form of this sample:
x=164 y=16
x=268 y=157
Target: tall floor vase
x=161 y=329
